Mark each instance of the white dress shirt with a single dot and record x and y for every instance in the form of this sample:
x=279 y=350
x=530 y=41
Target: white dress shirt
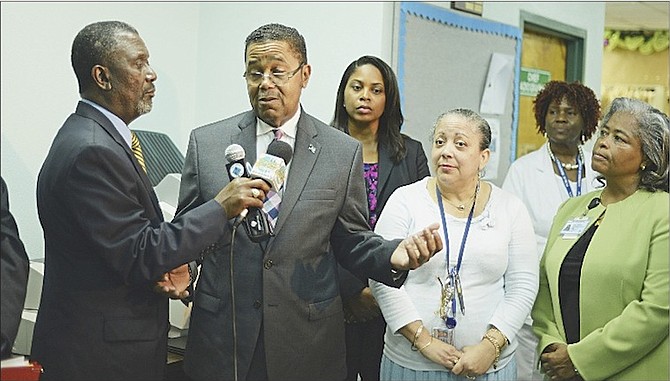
x=120 y=125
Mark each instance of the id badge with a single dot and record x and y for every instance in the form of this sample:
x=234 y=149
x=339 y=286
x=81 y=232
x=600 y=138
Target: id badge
x=574 y=227
x=444 y=334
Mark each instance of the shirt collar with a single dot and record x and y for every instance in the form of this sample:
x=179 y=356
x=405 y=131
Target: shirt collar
x=288 y=129
x=119 y=124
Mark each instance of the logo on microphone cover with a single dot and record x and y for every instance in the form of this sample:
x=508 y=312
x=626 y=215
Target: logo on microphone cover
x=236 y=170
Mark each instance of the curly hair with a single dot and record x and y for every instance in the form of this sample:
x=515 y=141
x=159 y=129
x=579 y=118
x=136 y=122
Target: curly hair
x=391 y=119
x=577 y=95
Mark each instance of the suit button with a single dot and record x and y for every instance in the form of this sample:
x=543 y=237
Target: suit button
x=257 y=304
x=268 y=264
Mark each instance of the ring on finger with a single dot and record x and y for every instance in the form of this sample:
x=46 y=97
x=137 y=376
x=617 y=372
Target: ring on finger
x=470 y=377
x=255 y=192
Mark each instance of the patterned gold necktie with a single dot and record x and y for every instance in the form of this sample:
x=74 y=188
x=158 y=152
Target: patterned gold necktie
x=137 y=150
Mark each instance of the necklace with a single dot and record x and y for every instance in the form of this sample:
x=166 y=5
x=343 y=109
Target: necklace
x=567 y=167
x=461 y=207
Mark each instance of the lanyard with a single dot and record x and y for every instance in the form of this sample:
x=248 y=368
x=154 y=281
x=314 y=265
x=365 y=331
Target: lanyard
x=564 y=176
x=453 y=272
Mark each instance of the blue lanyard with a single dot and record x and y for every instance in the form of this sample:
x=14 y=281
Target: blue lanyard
x=564 y=176
x=454 y=271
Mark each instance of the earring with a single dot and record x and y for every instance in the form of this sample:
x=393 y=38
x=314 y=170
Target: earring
x=643 y=167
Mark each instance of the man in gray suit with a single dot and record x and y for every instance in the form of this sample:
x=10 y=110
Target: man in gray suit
x=287 y=321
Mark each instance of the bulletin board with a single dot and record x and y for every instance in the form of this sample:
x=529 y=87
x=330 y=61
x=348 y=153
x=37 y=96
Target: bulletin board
x=443 y=63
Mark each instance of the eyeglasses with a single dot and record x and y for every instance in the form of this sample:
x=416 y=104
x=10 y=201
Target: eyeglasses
x=279 y=78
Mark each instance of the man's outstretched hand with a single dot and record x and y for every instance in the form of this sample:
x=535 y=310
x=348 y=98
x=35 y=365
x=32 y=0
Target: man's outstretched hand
x=417 y=249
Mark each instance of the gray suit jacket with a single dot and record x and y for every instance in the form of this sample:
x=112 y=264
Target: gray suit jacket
x=289 y=290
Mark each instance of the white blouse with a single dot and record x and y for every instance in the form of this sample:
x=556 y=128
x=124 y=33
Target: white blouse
x=499 y=272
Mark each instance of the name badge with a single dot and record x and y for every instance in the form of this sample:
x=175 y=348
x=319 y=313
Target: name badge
x=574 y=227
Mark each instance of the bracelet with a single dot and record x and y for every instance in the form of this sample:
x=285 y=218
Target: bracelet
x=426 y=346
x=416 y=337
x=493 y=341
x=505 y=341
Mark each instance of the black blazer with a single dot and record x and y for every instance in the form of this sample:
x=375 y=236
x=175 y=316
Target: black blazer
x=413 y=167
x=105 y=245
x=14 y=275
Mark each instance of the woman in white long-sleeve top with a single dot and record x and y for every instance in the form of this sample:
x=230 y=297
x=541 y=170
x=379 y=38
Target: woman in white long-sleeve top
x=458 y=315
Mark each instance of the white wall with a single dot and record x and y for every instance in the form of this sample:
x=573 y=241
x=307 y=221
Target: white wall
x=197 y=51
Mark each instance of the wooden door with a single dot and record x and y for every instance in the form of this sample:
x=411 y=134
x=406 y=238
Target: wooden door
x=544 y=52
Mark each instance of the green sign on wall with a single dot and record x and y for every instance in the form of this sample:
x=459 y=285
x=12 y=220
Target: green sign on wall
x=532 y=81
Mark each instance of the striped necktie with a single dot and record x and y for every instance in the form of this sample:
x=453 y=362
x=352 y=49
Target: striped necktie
x=273 y=199
x=137 y=150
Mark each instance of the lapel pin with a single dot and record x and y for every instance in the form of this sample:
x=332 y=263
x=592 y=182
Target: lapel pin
x=311 y=148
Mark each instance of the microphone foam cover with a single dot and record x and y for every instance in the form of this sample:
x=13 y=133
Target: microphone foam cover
x=280 y=149
x=235 y=152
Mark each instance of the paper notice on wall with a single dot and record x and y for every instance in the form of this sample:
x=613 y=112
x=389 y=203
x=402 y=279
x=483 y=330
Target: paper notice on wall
x=498 y=82
x=491 y=169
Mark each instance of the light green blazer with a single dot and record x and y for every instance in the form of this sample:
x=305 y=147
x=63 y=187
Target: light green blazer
x=623 y=296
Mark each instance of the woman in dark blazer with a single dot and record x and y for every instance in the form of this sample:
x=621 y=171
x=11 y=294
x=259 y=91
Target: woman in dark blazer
x=368 y=108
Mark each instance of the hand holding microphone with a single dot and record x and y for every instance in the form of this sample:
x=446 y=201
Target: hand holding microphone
x=242 y=192
x=268 y=171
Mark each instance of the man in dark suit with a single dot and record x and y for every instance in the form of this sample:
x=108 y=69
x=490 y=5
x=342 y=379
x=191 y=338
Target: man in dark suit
x=108 y=251
x=287 y=321
x=14 y=275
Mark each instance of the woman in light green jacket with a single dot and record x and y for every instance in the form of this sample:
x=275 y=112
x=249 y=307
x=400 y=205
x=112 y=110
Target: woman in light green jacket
x=602 y=307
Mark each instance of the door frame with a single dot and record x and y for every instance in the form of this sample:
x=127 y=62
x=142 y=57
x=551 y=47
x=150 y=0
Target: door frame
x=574 y=40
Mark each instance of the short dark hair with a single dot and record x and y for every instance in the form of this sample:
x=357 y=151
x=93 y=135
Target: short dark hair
x=95 y=45
x=654 y=138
x=578 y=95
x=471 y=116
x=279 y=32
x=391 y=119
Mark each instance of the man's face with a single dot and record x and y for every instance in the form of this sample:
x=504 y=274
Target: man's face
x=275 y=103
x=131 y=78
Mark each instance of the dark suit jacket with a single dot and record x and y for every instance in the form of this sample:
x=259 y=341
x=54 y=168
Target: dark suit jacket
x=413 y=167
x=106 y=244
x=14 y=275
x=291 y=287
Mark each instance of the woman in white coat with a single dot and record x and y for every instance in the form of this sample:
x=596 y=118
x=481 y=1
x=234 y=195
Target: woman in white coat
x=567 y=115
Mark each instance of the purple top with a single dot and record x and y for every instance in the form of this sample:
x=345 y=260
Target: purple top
x=371 y=174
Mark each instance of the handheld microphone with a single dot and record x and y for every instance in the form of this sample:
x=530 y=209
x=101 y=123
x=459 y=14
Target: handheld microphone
x=237 y=167
x=270 y=167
